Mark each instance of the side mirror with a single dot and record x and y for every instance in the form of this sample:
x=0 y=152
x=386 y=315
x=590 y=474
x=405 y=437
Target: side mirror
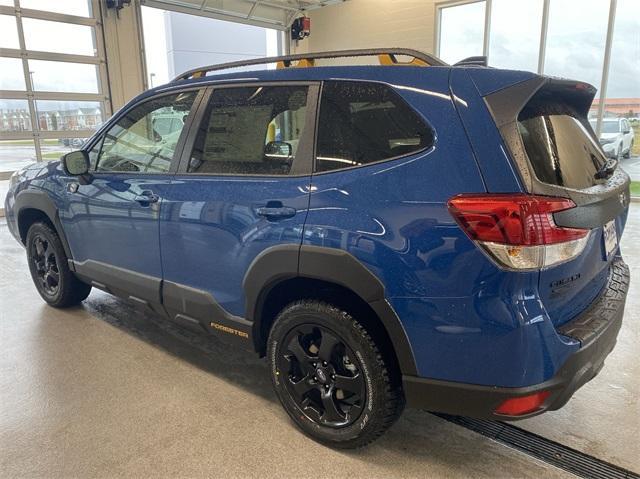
x=278 y=149
x=76 y=163
x=626 y=131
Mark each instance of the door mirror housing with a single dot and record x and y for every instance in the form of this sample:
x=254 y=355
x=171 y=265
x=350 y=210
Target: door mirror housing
x=278 y=149
x=76 y=163
x=626 y=131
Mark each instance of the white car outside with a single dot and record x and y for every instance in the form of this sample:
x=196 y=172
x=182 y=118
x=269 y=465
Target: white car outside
x=616 y=137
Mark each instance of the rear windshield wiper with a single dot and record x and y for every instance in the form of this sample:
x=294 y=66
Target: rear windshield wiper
x=607 y=169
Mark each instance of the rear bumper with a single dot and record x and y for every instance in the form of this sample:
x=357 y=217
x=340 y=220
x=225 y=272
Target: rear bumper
x=597 y=329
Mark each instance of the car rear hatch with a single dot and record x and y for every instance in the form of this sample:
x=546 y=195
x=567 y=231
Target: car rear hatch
x=544 y=123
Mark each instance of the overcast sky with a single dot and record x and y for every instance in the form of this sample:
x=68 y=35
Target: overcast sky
x=575 y=44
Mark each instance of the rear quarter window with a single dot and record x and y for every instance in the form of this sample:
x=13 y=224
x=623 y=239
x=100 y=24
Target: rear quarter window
x=362 y=123
x=561 y=148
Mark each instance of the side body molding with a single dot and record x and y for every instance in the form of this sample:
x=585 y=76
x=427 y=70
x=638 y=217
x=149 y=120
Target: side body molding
x=326 y=264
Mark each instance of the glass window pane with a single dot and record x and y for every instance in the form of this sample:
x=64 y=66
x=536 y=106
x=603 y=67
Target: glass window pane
x=14 y=115
x=461 y=31
x=623 y=89
x=361 y=123
x=53 y=149
x=576 y=39
x=69 y=115
x=251 y=131
x=8 y=3
x=12 y=77
x=63 y=76
x=145 y=139
x=45 y=36
x=8 y=32
x=81 y=8
x=514 y=40
x=14 y=154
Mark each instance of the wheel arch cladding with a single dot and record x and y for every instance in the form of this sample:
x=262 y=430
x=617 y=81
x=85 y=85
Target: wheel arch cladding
x=282 y=274
x=32 y=206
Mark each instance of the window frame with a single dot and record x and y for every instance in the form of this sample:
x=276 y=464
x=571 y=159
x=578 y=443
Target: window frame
x=173 y=167
x=421 y=151
x=305 y=157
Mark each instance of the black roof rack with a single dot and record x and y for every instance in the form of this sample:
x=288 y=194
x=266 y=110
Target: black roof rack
x=480 y=61
x=387 y=56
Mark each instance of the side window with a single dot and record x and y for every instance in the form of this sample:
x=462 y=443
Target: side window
x=250 y=131
x=365 y=122
x=145 y=139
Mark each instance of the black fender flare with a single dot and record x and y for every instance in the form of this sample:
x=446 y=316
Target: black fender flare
x=39 y=200
x=336 y=266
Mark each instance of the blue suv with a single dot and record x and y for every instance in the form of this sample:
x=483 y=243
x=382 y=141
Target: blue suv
x=444 y=237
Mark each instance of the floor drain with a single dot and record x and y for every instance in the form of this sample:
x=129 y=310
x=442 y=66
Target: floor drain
x=544 y=449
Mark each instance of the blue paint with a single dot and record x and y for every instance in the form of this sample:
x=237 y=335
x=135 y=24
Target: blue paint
x=466 y=319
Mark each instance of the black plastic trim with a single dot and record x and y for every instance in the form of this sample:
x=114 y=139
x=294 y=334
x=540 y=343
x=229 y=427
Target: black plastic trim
x=39 y=200
x=185 y=304
x=331 y=265
x=119 y=281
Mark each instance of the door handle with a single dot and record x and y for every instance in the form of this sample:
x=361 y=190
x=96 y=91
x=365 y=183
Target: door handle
x=275 y=210
x=146 y=197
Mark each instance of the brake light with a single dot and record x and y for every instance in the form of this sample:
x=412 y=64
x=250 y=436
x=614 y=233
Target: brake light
x=518 y=230
x=522 y=405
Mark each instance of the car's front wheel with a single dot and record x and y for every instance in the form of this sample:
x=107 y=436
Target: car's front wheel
x=330 y=375
x=49 y=268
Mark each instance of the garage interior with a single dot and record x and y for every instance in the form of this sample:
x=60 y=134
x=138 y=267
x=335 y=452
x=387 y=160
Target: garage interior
x=106 y=390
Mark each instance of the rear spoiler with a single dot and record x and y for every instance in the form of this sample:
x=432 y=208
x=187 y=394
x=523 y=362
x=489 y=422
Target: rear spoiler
x=529 y=98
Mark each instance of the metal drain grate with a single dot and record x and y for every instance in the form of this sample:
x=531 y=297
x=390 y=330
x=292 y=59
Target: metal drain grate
x=546 y=450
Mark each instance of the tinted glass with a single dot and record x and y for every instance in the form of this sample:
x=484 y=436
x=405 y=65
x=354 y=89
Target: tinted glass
x=251 y=131
x=365 y=122
x=561 y=150
x=140 y=142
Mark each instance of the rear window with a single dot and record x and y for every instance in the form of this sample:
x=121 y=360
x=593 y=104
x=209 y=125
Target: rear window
x=365 y=122
x=561 y=149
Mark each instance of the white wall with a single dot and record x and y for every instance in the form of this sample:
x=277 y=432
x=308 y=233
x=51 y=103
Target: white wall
x=371 y=24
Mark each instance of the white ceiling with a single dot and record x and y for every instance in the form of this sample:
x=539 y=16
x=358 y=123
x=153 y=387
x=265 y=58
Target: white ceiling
x=265 y=13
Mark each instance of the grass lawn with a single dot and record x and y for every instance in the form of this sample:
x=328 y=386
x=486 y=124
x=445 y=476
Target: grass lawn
x=28 y=142
x=52 y=155
x=635 y=188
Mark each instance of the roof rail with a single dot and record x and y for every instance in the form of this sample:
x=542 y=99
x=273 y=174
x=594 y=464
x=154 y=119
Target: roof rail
x=386 y=55
x=479 y=61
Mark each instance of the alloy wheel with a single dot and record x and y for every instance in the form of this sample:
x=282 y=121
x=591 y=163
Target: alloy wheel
x=322 y=376
x=46 y=265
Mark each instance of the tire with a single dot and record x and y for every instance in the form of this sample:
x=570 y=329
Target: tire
x=50 y=272
x=628 y=153
x=344 y=395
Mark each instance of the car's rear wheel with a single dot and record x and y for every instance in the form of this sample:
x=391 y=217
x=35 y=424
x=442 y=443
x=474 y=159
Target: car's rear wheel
x=628 y=152
x=49 y=268
x=330 y=375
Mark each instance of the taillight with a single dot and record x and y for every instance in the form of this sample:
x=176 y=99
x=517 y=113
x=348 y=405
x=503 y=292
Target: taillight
x=518 y=230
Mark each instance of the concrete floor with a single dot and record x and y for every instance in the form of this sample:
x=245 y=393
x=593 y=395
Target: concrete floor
x=102 y=390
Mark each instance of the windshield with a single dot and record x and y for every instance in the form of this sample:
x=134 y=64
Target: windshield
x=607 y=126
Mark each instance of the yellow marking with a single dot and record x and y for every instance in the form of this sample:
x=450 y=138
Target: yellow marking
x=389 y=60
x=227 y=329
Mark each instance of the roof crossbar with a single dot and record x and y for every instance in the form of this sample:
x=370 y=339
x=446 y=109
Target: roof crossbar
x=389 y=54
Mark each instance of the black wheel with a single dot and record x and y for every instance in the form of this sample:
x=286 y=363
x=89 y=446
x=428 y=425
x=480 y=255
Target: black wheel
x=330 y=376
x=628 y=153
x=49 y=269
